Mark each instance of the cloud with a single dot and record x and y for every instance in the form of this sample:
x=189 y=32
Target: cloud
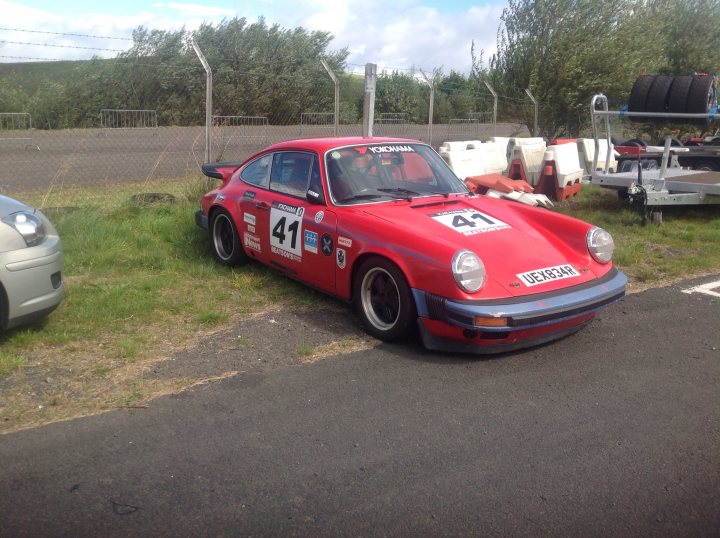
x=397 y=35
x=196 y=11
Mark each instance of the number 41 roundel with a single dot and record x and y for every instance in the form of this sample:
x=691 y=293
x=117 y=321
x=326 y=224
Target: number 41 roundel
x=469 y=221
x=286 y=228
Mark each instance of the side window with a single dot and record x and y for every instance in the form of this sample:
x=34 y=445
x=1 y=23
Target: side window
x=256 y=173
x=290 y=172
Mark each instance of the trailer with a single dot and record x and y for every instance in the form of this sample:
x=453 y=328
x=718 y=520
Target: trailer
x=663 y=183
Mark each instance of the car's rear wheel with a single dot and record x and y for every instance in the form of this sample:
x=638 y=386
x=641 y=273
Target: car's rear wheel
x=225 y=240
x=383 y=300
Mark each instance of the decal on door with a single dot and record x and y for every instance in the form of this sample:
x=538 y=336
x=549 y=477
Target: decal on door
x=286 y=230
x=311 y=241
x=469 y=221
x=327 y=245
x=253 y=242
x=341 y=258
x=539 y=276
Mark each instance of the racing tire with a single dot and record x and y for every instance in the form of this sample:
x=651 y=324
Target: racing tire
x=225 y=241
x=705 y=166
x=383 y=300
x=657 y=97
x=639 y=94
x=700 y=98
x=679 y=92
x=635 y=143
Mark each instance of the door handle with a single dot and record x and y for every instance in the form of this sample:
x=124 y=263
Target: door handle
x=262 y=205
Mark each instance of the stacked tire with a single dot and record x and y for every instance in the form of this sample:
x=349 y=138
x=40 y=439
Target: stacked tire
x=684 y=94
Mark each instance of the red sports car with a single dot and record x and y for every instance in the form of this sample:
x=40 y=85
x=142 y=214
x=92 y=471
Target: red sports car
x=385 y=224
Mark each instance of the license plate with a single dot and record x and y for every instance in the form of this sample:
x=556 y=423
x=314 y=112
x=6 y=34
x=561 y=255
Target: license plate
x=540 y=276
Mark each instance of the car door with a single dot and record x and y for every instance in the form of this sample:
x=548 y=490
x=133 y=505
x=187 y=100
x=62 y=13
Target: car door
x=300 y=232
x=254 y=202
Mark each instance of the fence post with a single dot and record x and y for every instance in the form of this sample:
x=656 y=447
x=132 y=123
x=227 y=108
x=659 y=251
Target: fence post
x=495 y=101
x=535 y=125
x=432 y=104
x=208 y=100
x=337 y=93
x=369 y=101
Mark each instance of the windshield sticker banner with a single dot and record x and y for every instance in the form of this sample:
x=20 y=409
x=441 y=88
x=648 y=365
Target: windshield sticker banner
x=540 y=276
x=391 y=149
x=469 y=221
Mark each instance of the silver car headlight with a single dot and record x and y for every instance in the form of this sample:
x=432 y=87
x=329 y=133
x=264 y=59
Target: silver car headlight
x=468 y=271
x=601 y=245
x=28 y=225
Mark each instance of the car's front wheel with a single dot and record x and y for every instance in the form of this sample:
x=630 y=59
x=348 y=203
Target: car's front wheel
x=383 y=300
x=225 y=240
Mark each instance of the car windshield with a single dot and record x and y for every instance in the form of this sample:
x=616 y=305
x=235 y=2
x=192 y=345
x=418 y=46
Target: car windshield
x=377 y=172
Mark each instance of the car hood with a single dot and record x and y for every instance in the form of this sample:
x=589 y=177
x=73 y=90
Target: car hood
x=513 y=243
x=10 y=205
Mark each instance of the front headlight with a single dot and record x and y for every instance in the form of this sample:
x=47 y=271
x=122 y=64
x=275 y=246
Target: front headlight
x=601 y=245
x=468 y=270
x=27 y=224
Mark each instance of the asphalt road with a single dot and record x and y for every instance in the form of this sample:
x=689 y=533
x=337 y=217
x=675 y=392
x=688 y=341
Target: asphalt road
x=614 y=431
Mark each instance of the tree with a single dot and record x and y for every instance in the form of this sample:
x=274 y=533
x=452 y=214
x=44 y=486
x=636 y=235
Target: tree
x=565 y=51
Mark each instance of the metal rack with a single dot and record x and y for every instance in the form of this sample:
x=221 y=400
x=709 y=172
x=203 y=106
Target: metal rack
x=668 y=185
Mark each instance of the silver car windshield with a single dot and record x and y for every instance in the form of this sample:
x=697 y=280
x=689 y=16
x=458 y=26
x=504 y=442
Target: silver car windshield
x=378 y=172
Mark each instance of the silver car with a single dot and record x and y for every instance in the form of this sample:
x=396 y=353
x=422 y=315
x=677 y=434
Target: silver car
x=30 y=264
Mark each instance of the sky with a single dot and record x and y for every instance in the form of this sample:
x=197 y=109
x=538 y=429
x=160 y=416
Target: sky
x=402 y=34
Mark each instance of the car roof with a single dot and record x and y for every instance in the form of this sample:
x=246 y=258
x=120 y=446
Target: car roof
x=322 y=145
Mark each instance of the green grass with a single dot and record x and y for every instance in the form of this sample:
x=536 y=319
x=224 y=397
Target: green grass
x=135 y=273
x=686 y=243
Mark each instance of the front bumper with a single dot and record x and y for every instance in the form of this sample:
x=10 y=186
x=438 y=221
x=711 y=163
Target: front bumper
x=32 y=282
x=519 y=322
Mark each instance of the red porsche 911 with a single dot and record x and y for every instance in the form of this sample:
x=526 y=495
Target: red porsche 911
x=385 y=224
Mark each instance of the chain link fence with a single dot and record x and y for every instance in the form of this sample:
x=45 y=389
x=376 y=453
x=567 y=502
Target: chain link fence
x=125 y=152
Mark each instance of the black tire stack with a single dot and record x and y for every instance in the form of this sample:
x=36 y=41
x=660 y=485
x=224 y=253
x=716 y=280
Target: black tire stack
x=683 y=94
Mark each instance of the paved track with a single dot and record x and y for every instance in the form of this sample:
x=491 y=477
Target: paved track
x=614 y=431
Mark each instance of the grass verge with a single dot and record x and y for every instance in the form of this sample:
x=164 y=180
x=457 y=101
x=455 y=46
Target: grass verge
x=140 y=284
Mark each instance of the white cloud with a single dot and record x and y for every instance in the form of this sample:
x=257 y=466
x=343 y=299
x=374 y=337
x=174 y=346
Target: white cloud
x=399 y=35
x=197 y=11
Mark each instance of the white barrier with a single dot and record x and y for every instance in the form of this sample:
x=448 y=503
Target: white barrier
x=567 y=163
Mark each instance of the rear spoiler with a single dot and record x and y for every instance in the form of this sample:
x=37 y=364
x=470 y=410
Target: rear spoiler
x=220 y=170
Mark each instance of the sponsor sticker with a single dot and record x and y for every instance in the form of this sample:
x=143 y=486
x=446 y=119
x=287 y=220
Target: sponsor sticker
x=249 y=218
x=250 y=195
x=219 y=197
x=252 y=242
x=540 y=276
x=341 y=258
x=344 y=241
x=391 y=149
x=319 y=216
x=251 y=229
x=311 y=241
x=469 y=221
x=327 y=245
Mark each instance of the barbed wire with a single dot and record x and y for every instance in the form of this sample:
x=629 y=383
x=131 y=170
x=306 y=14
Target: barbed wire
x=64 y=33
x=58 y=46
